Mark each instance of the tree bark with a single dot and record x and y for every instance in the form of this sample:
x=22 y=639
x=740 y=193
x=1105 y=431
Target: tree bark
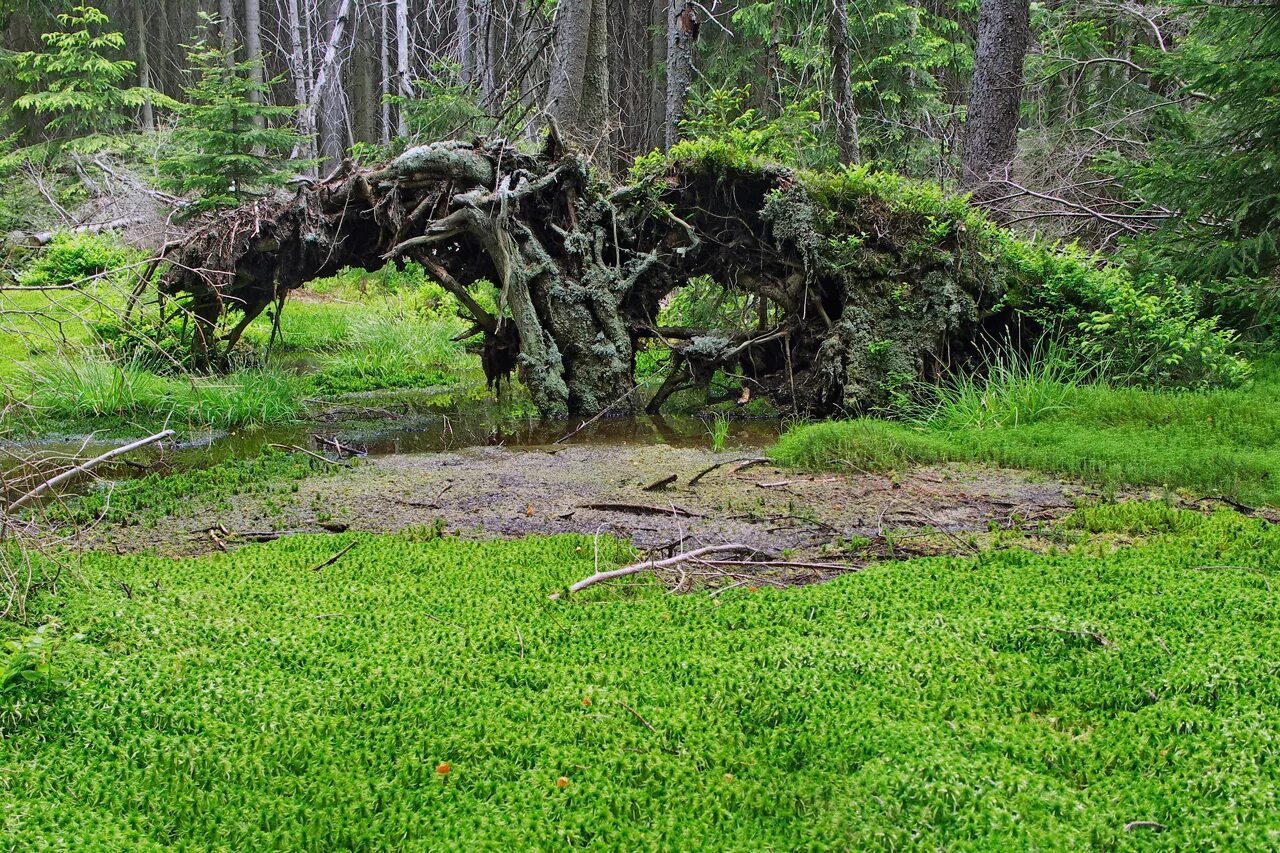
x=384 y=68
x=991 y=128
x=253 y=50
x=227 y=23
x=579 y=86
x=144 y=66
x=466 y=38
x=682 y=33
x=403 y=87
x=845 y=112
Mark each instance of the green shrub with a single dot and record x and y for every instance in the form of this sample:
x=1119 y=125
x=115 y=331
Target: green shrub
x=1148 y=336
x=79 y=258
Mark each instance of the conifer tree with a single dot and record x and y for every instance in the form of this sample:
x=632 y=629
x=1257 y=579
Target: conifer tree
x=230 y=143
x=76 y=83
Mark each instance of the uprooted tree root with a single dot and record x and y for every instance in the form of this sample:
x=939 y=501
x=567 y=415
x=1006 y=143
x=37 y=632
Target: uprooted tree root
x=852 y=289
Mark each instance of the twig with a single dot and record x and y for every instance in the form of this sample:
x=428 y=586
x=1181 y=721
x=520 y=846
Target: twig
x=1143 y=824
x=520 y=637
x=335 y=558
x=635 y=568
x=80 y=469
x=1088 y=635
x=705 y=471
x=311 y=453
x=660 y=484
x=642 y=509
x=648 y=725
x=749 y=463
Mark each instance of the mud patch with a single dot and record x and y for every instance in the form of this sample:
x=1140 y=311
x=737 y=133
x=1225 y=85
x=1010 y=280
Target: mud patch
x=661 y=498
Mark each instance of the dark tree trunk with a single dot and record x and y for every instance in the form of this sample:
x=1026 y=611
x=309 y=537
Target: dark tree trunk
x=682 y=33
x=227 y=24
x=579 y=87
x=845 y=113
x=991 y=128
x=144 y=65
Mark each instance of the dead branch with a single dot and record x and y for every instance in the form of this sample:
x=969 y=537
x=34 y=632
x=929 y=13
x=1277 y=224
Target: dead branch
x=636 y=568
x=335 y=558
x=86 y=466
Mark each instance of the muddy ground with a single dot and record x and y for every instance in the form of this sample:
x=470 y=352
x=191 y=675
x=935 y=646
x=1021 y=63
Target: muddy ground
x=623 y=490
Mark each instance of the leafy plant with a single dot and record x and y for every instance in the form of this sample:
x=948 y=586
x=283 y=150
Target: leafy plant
x=27 y=662
x=78 y=259
x=718 y=429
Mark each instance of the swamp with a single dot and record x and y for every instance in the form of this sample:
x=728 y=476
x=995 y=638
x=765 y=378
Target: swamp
x=735 y=425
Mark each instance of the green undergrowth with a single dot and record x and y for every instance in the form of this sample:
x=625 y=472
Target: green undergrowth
x=1007 y=701
x=1221 y=443
x=183 y=493
x=76 y=367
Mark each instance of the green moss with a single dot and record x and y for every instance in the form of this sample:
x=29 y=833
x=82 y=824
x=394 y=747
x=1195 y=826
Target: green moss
x=248 y=701
x=187 y=492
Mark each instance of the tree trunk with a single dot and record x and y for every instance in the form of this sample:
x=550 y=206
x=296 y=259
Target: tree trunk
x=144 y=66
x=327 y=95
x=403 y=88
x=384 y=67
x=227 y=23
x=466 y=37
x=253 y=50
x=845 y=113
x=568 y=63
x=991 y=128
x=579 y=87
x=682 y=32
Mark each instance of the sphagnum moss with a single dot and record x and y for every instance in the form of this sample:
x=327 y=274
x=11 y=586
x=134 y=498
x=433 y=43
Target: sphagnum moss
x=247 y=701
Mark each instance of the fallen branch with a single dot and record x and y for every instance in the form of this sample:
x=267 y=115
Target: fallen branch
x=643 y=509
x=287 y=448
x=84 y=467
x=749 y=463
x=335 y=558
x=657 y=485
x=636 y=568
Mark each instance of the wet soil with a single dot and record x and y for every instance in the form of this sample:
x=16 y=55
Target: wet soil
x=617 y=489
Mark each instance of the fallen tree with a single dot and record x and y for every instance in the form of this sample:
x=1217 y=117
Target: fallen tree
x=860 y=280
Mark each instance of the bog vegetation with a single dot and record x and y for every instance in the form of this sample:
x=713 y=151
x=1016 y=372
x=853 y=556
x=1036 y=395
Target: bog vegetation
x=923 y=239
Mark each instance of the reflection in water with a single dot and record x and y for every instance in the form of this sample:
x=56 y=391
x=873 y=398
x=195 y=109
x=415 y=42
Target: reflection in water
x=426 y=423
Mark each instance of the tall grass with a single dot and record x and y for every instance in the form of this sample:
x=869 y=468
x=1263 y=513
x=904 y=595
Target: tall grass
x=92 y=387
x=1224 y=443
x=1012 y=389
